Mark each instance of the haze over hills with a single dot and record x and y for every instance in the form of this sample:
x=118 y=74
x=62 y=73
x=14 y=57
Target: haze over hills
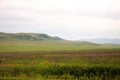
x=104 y=41
x=27 y=36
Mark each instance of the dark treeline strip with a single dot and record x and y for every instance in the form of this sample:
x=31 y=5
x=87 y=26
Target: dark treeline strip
x=76 y=71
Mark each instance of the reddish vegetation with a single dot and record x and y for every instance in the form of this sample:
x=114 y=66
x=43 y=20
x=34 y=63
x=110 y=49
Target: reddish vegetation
x=67 y=54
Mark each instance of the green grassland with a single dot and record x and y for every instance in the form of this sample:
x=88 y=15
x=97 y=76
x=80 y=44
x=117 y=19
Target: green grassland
x=66 y=60
x=49 y=45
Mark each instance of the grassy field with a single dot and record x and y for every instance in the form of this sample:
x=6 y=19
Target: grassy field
x=58 y=60
x=16 y=46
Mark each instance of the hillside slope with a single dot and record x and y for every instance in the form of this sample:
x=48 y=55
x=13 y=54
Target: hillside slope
x=42 y=38
x=26 y=36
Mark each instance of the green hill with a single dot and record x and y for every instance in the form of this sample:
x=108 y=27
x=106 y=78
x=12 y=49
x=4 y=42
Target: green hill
x=40 y=38
x=27 y=36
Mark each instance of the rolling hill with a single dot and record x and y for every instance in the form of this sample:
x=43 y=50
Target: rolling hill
x=27 y=36
x=42 y=38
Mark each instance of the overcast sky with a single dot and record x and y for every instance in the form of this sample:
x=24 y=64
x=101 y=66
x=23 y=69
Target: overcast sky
x=69 y=19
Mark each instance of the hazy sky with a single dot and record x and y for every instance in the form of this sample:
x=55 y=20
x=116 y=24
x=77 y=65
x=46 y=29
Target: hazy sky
x=69 y=19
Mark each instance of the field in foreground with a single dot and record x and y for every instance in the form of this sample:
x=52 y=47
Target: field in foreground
x=21 y=60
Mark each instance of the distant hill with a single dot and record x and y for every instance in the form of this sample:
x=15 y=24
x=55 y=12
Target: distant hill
x=104 y=41
x=42 y=37
x=27 y=36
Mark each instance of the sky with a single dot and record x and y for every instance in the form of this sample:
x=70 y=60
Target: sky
x=68 y=19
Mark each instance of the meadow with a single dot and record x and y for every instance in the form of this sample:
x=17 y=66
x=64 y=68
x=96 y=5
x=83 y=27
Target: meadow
x=66 y=60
